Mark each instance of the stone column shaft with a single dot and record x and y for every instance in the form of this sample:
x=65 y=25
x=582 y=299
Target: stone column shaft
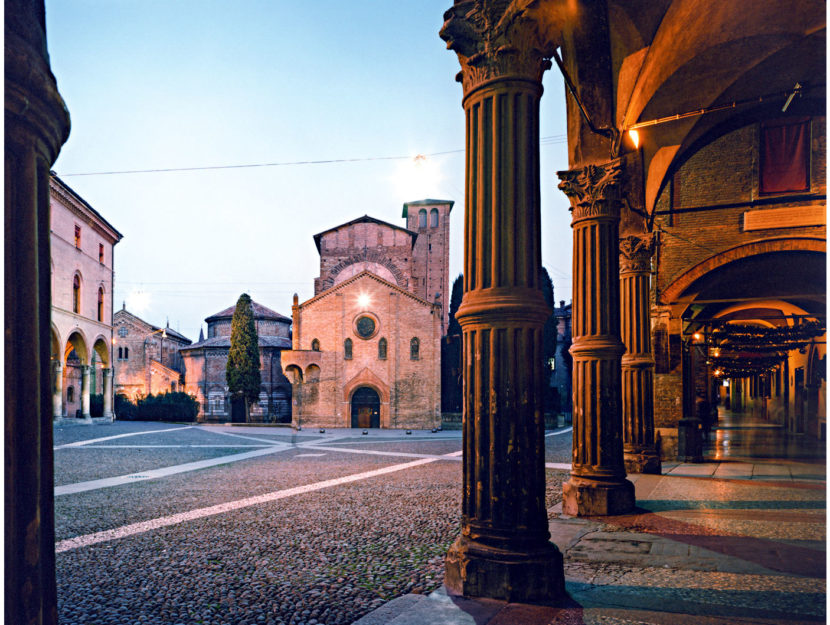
x=597 y=485
x=85 y=381
x=504 y=551
x=107 y=391
x=57 y=389
x=36 y=125
x=639 y=451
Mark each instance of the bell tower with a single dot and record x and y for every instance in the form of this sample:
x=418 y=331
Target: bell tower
x=431 y=255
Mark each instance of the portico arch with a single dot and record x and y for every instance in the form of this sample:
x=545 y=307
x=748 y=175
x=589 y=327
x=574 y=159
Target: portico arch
x=681 y=284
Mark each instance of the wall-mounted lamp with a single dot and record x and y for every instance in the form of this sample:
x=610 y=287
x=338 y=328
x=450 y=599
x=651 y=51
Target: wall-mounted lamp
x=635 y=138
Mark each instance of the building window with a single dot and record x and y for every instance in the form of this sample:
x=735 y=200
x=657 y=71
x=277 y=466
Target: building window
x=76 y=294
x=347 y=349
x=382 y=349
x=422 y=218
x=120 y=353
x=315 y=345
x=70 y=394
x=785 y=156
x=77 y=236
x=126 y=353
x=414 y=348
x=433 y=218
x=365 y=327
x=100 y=303
x=123 y=331
x=101 y=253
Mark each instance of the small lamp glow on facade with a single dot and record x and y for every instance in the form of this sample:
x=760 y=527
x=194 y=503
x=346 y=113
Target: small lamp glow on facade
x=363 y=300
x=697 y=336
x=635 y=138
x=718 y=373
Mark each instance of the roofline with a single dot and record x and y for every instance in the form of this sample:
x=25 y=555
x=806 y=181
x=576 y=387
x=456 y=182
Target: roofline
x=406 y=205
x=74 y=196
x=363 y=219
x=368 y=273
x=154 y=327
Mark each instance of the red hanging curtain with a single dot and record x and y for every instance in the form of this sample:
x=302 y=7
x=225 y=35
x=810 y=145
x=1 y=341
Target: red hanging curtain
x=785 y=156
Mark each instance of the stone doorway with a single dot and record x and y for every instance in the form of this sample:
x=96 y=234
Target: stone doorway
x=238 y=410
x=365 y=408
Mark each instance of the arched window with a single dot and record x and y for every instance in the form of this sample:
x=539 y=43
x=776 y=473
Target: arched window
x=100 y=303
x=347 y=349
x=70 y=394
x=414 y=348
x=422 y=218
x=120 y=353
x=433 y=218
x=382 y=349
x=126 y=353
x=76 y=294
x=315 y=345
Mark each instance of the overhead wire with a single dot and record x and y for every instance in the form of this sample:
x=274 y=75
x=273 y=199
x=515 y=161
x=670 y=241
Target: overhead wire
x=550 y=140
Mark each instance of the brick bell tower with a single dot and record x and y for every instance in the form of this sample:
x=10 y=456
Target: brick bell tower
x=431 y=255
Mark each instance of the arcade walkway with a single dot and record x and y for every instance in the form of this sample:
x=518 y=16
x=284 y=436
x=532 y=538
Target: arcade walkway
x=738 y=539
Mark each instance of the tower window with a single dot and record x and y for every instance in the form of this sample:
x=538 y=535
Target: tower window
x=315 y=345
x=422 y=218
x=433 y=218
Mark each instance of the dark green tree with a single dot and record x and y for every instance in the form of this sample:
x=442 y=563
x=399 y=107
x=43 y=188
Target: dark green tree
x=549 y=336
x=242 y=371
x=455 y=302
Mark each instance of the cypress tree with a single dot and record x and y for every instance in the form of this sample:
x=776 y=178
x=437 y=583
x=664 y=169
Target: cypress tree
x=242 y=371
x=455 y=302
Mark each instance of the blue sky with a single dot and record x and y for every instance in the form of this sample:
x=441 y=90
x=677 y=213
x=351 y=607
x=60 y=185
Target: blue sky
x=154 y=84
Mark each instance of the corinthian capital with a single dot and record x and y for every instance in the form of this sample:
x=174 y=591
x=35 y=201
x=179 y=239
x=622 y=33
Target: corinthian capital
x=635 y=252
x=593 y=190
x=499 y=39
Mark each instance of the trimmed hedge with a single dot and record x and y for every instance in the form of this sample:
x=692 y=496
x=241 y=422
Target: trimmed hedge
x=161 y=407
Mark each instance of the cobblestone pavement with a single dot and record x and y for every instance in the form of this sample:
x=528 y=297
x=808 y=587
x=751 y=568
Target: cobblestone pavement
x=179 y=525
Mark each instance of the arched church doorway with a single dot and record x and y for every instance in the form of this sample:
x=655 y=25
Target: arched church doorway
x=365 y=408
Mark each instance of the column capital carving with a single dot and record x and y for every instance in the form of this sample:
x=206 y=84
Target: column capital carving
x=635 y=252
x=593 y=190
x=497 y=39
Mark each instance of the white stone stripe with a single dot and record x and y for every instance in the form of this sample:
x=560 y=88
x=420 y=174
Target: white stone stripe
x=79 y=487
x=558 y=432
x=558 y=465
x=373 y=452
x=109 y=438
x=175 y=519
x=183 y=446
x=250 y=438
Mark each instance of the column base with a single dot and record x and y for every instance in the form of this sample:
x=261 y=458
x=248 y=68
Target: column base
x=477 y=570
x=646 y=461
x=586 y=497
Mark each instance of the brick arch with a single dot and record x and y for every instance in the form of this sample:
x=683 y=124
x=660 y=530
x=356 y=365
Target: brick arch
x=372 y=256
x=367 y=378
x=790 y=244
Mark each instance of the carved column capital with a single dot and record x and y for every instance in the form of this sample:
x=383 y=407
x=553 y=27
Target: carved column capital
x=593 y=190
x=636 y=251
x=497 y=39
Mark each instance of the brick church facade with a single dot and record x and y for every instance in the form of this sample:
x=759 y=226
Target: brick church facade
x=366 y=348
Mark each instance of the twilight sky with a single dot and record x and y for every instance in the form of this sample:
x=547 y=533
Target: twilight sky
x=154 y=84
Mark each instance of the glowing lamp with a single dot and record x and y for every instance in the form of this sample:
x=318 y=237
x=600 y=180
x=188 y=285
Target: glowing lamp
x=363 y=300
x=696 y=336
x=635 y=138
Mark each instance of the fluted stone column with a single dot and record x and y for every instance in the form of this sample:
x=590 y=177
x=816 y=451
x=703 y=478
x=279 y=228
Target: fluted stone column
x=597 y=485
x=85 y=380
x=57 y=389
x=639 y=451
x=504 y=550
x=107 y=391
x=36 y=125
